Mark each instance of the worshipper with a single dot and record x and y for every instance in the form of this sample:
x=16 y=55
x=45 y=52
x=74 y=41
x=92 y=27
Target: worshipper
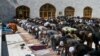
x=89 y=40
x=96 y=36
x=44 y=37
x=74 y=36
x=94 y=52
x=36 y=32
x=55 y=40
x=82 y=49
x=58 y=50
x=64 y=52
x=13 y=26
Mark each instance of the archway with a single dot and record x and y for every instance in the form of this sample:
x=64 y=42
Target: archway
x=47 y=11
x=22 y=12
x=87 y=12
x=69 y=11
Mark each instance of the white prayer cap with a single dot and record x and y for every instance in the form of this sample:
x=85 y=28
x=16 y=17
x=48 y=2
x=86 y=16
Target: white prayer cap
x=99 y=42
x=39 y=32
x=85 y=43
x=57 y=47
x=71 y=49
x=61 y=43
x=33 y=27
x=36 y=29
x=86 y=55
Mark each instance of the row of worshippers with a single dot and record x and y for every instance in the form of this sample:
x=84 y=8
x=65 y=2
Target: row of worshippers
x=66 y=36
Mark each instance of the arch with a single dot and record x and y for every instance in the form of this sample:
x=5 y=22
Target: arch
x=22 y=12
x=47 y=10
x=69 y=11
x=87 y=12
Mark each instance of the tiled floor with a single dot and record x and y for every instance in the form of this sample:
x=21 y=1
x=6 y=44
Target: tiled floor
x=13 y=43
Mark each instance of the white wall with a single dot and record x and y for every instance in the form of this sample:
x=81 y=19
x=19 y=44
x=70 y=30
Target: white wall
x=7 y=7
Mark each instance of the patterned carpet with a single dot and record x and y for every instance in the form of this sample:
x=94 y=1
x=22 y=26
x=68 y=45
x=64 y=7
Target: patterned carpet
x=29 y=39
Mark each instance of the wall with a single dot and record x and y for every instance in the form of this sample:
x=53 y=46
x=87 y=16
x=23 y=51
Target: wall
x=8 y=6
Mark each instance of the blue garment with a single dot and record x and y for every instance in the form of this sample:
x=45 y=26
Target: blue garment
x=6 y=30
